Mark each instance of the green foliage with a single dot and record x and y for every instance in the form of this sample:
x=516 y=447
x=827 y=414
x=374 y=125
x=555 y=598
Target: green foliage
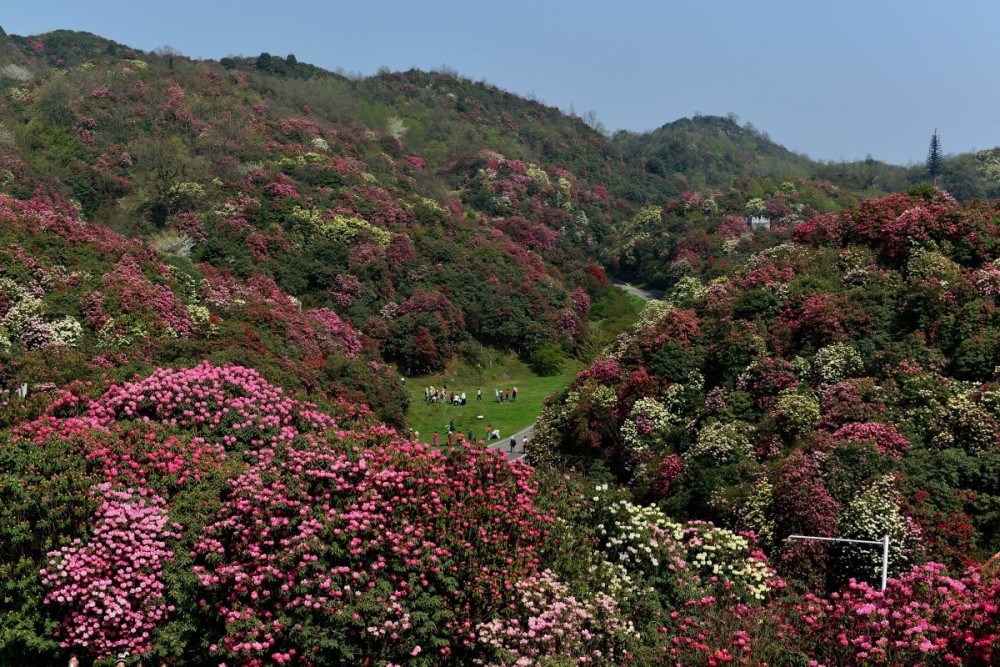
x=548 y=359
x=44 y=505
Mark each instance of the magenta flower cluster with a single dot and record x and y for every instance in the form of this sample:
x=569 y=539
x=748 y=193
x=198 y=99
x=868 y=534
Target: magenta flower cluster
x=112 y=586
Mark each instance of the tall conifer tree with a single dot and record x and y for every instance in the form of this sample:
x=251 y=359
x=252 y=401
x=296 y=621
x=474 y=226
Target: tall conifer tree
x=934 y=158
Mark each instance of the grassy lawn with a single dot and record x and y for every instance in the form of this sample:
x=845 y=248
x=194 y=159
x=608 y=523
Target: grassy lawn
x=506 y=372
x=611 y=314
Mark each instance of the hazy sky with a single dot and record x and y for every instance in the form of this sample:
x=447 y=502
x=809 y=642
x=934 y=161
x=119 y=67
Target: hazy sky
x=838 y=80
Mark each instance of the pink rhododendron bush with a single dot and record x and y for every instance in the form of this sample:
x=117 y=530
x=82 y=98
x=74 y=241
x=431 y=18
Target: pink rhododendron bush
x=111 y=588
x=287 y=533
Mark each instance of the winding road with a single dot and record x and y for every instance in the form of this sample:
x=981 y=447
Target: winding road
x=503 y=445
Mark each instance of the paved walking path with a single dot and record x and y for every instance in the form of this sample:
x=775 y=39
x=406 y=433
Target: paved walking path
x=647 y=294
x=503 y=445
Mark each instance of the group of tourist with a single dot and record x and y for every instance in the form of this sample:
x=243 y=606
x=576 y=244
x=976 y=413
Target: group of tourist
x=445 y=397
x=505 y=395
x=455 y=437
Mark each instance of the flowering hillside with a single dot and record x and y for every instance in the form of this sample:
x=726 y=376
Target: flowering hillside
x=263 y=178
x=206 y=515
x=79 y=303
x=212 y=275
x=839 y=381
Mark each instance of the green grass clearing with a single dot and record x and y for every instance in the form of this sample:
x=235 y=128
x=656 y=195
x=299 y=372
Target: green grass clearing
x=506 y=372
x=610 y=315
x=616 y=311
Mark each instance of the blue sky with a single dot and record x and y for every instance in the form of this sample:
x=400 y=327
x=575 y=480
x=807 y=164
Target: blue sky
x=837 y=80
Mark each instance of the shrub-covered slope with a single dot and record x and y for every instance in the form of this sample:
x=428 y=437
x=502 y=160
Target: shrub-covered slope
x=841 y=380
x=312 y=184
x=79 y=302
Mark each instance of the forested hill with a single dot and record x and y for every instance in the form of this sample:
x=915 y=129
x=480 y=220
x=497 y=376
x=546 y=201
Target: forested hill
x=428 y=214
x=708 y=152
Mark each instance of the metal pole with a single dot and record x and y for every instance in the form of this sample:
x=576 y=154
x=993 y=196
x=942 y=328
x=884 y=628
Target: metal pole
x=885 y=560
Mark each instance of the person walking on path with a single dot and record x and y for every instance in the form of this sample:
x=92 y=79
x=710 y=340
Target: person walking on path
x=524 y=445
x=513 y=444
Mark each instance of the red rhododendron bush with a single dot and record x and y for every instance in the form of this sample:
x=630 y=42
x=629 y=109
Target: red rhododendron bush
x=396 y=550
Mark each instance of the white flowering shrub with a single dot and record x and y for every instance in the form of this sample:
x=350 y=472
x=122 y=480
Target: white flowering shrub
x=719 y=553
x=7 y=139
x=679 y=398
x=925 y=264
x=720 y=443
x=395 y=128
x=679 y=561
x=23 y=310
x=687 y=293
x=755 y=206
x=171 y=243
x=797 y=410
x=544 y=449
x=757 y=512
x=969 y=425
x=801 y=367
x=647 y=426
x=538 y=175
x=15 y=72
x=121 y=334
x=837 y=362
x=200 y=315
x=66 y=331
x=872 y=514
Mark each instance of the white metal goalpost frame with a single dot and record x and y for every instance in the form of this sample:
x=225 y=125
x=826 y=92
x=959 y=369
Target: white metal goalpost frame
x=884 y=542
